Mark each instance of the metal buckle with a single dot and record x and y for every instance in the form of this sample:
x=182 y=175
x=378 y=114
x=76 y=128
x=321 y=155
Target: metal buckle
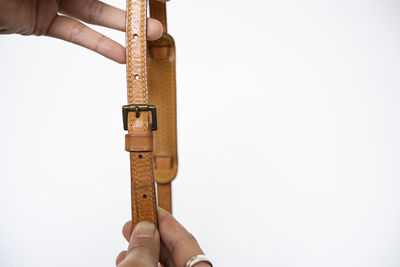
x=137 y=108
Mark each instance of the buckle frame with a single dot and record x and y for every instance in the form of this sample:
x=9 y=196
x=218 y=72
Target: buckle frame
x=137 y=108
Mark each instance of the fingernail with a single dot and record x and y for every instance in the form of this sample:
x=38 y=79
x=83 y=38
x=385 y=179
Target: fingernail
x=145 y=229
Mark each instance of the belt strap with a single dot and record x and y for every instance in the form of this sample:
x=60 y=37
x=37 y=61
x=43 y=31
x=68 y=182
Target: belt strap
x=162 y=90
x=158 y=11
x=136 y=116
x=150 y=76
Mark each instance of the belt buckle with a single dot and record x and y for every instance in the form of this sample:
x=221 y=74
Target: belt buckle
x=137 y=108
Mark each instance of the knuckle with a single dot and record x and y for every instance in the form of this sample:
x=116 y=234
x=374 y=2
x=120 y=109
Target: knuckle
x=95 y=10
x=75 y=31
x=101 y=44
x=148 y=248
x=183 y=241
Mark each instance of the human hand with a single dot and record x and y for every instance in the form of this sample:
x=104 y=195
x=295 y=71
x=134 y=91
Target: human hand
x=177 y=245
x=60 y=19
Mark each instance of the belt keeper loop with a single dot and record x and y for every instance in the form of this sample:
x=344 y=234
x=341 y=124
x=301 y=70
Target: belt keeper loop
x=139 y=143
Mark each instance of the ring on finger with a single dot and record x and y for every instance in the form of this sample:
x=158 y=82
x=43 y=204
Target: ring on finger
x=196 y=259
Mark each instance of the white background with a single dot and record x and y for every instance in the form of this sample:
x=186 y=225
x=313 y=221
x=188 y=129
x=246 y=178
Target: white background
x=288 y=138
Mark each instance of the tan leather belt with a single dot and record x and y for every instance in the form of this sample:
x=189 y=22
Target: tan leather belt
x=151 y=140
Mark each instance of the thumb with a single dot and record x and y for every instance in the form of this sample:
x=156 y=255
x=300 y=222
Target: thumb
x=144 y=246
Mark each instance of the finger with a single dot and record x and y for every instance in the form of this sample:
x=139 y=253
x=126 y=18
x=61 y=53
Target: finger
x=75 y=32
x=121 y=256
x=154 y=29
x=165 y=257
x=144 y=246
x=127 y=230
x=180 y=243
x=95 y=12
x=99 y=13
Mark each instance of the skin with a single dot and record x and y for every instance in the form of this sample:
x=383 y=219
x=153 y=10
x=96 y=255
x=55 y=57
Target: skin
x=62 y=19
x=171 y=244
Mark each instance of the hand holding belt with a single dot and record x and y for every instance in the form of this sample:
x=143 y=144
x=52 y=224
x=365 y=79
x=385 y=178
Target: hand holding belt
x=137 y=119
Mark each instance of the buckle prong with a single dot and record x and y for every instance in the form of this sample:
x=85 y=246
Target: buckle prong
x=137 y=108
x=137 y=112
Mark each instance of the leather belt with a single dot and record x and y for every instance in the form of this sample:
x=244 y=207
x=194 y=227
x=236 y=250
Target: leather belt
x=162 y=88
x=151 y=91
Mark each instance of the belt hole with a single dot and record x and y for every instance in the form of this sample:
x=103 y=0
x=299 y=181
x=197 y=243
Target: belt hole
x=140 y=156
x=135 y=36
x=144 y=196
x=137 y=77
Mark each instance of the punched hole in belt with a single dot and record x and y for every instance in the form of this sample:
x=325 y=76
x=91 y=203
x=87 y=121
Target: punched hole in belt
x=136 y=77
x=140 y=156
x=144 y=196
x=135 y=36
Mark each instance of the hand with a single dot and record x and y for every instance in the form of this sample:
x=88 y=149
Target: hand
x=145 y=250
x=60 y=19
